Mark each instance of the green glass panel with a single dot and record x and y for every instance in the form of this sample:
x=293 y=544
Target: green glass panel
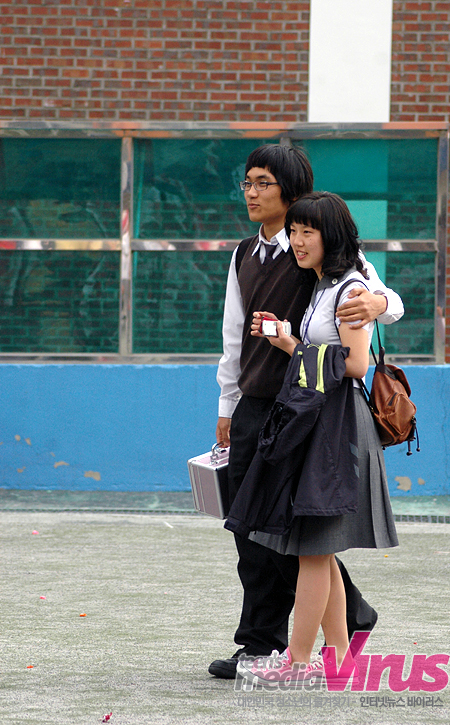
x=59 y=301
x=390 y=185
x=178 y=301
x=60 y=188
x=188 y=188
x=412 y=275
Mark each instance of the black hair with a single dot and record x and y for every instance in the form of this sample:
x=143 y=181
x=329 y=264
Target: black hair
x=288 y=164
x=331 y=216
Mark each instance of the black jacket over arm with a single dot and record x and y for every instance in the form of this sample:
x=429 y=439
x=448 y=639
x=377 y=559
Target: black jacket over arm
x=307 y=458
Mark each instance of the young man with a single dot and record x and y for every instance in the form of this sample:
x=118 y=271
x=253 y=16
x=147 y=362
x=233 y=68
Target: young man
x=262 y=276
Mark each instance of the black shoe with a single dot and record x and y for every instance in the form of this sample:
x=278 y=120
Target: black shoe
x=225 y=669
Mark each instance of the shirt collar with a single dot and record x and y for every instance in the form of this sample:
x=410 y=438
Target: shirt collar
x=327 y=282
x=279 y=238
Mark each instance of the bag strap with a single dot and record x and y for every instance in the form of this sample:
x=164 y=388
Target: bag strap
x=365 y=391
x=381 y=350
x=381 y=353
x=340 y=291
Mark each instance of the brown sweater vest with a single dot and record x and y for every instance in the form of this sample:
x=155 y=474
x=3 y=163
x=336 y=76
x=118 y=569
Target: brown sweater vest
x=279 y=287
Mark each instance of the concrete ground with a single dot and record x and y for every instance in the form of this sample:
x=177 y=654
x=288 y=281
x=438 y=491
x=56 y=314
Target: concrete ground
x=123 y=612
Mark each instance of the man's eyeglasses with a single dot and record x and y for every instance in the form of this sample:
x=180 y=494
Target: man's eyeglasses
x=257 y=185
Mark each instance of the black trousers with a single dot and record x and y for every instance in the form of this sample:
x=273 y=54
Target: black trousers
x=269 y=579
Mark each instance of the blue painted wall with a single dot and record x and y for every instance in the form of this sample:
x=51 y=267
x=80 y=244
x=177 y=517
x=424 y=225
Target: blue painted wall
x=133 y=427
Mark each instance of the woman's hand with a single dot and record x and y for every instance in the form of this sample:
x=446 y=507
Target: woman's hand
x=284 y=342
x=256 y=323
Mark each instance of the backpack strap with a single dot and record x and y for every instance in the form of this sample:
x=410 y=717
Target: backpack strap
x=362 y=385
x=388 y=371
x=340 y=291
x=342 y=288
x=381 y=350
x=241 y=250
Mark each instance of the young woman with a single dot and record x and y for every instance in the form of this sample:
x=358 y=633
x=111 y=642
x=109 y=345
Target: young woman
x=324 y=238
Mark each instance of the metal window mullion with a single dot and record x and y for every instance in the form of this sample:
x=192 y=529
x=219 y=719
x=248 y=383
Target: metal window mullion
x=126 y=233
x=441 y=235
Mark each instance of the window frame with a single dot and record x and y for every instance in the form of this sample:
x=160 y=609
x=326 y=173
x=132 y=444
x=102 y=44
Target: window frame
x=126 y=244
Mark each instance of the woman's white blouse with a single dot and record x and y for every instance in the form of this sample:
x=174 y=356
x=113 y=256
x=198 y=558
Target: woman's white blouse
x=319 y=324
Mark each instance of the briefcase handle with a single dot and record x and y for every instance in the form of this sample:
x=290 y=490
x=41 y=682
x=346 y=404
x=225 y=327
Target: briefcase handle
x=216 y=450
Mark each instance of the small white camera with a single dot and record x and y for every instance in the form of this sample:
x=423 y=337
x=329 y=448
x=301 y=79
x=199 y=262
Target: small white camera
x=269 y=327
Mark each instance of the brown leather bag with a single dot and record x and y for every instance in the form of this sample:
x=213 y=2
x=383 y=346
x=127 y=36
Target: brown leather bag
x=389 y=402
x=393 y=410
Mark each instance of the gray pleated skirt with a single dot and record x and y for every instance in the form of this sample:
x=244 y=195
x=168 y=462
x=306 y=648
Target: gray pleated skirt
x=371 y=527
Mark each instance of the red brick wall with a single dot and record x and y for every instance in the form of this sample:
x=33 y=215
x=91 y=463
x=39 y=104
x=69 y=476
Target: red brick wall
x=420 y=61
x=179 y=60
x=201 y=60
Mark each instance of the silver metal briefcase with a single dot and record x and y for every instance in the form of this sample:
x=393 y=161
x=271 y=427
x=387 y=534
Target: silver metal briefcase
x=208 y=474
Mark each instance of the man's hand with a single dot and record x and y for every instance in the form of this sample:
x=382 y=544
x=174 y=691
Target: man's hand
x=364 y=307
x=223 y=431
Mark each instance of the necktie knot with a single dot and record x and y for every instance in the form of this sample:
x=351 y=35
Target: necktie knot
x=270 y=249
